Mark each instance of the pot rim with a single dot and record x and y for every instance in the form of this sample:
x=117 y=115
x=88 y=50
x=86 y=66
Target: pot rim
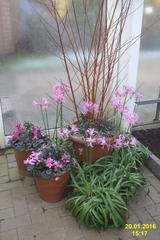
x=15 y=149
x=64 y=173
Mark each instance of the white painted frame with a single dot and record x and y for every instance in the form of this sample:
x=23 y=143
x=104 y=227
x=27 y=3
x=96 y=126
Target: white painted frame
x=2 y=135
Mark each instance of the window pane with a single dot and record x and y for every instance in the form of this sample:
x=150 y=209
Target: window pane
x=28 y=62
x=149 y=69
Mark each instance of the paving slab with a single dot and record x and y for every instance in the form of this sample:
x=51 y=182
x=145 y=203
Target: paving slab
x=24 y=216
x=9 y=235
x=3 y=169
x=5 y=200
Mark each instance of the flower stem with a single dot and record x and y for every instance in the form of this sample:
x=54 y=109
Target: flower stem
x=55 y=131
x=47 y=123
x=61 y=116
x=43 y=118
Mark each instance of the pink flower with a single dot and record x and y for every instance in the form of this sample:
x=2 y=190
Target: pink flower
x=35 y=131
x=103 y=141
x=66 y=158
x=116 y=102
x=128 y=89
x=120 y=94
x=124 y=141
x=59 y=91
x=122 y=109
x=57 y=165
x=91 y=132
x=49 y=163
x=90 y=141
x=132 y=118
x=33 y=158
x=30 y=161
x=19 y=127
x=26 y=141
x=96 y=107
x=45 y=102
x=119 y=142
x=15 y=135
x=73 y=129
x=132 y=141
x=35 y=103
x=89 y=107
x=64 y=132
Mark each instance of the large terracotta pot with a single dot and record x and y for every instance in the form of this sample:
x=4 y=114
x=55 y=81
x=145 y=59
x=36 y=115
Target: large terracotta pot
x=20 y=157
x=85 y=153
x=52 y=190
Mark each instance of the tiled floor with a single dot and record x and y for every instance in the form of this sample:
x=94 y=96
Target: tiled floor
x=24 y=216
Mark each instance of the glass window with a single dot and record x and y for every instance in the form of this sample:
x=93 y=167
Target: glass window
x=149 y=67
x=28 y=63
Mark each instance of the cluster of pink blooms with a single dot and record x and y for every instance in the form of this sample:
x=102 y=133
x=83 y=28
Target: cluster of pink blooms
x=67 y=132
x=124 y=141
x=91 y=136
x=36 y=157
x=44 y=103
x=35 y=131
x=14 y=135
x=33 y=158
x=59 y=91
x=90 y=107
x=22 y=130
x=119 y=102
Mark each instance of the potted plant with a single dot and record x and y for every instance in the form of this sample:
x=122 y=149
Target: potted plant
x=101 y=190
x=91 y=70
x=24 y=140
x=92 y=139
x=50 y=166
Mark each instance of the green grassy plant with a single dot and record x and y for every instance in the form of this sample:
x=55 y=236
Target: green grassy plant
x=102 y=190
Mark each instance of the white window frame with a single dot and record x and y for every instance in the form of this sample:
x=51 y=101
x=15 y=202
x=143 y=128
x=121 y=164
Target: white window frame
x=2 y=135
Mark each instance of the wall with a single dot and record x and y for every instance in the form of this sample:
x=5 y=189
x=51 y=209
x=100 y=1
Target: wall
x=9 y=26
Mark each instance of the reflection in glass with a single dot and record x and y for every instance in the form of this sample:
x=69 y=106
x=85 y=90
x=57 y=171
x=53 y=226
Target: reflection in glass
x=28 y=62
x=149 y=68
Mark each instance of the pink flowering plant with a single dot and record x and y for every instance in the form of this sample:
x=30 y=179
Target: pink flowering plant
x=91 y=136
x=27 y=137
x=100 y=133
x=122 y=110
x=49 y=161
x=123 y=115
x=58 y=96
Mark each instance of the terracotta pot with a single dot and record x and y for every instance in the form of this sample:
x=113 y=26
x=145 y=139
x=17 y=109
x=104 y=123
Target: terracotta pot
x=20 y=157
x=51 y=190
x=84 y=153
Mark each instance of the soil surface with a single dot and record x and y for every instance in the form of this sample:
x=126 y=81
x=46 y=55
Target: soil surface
x=150 y=138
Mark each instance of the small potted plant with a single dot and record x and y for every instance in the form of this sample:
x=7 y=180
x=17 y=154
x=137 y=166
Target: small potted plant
x=24 y=140
x=93 y=138
x=89 y=143
x=50 y=166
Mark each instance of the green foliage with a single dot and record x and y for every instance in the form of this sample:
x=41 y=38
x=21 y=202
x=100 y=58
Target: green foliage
x=59 y=159
x=101 y=190
x=94 y=204
x=27 y=137
x=104 y=127
x=63 y=145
